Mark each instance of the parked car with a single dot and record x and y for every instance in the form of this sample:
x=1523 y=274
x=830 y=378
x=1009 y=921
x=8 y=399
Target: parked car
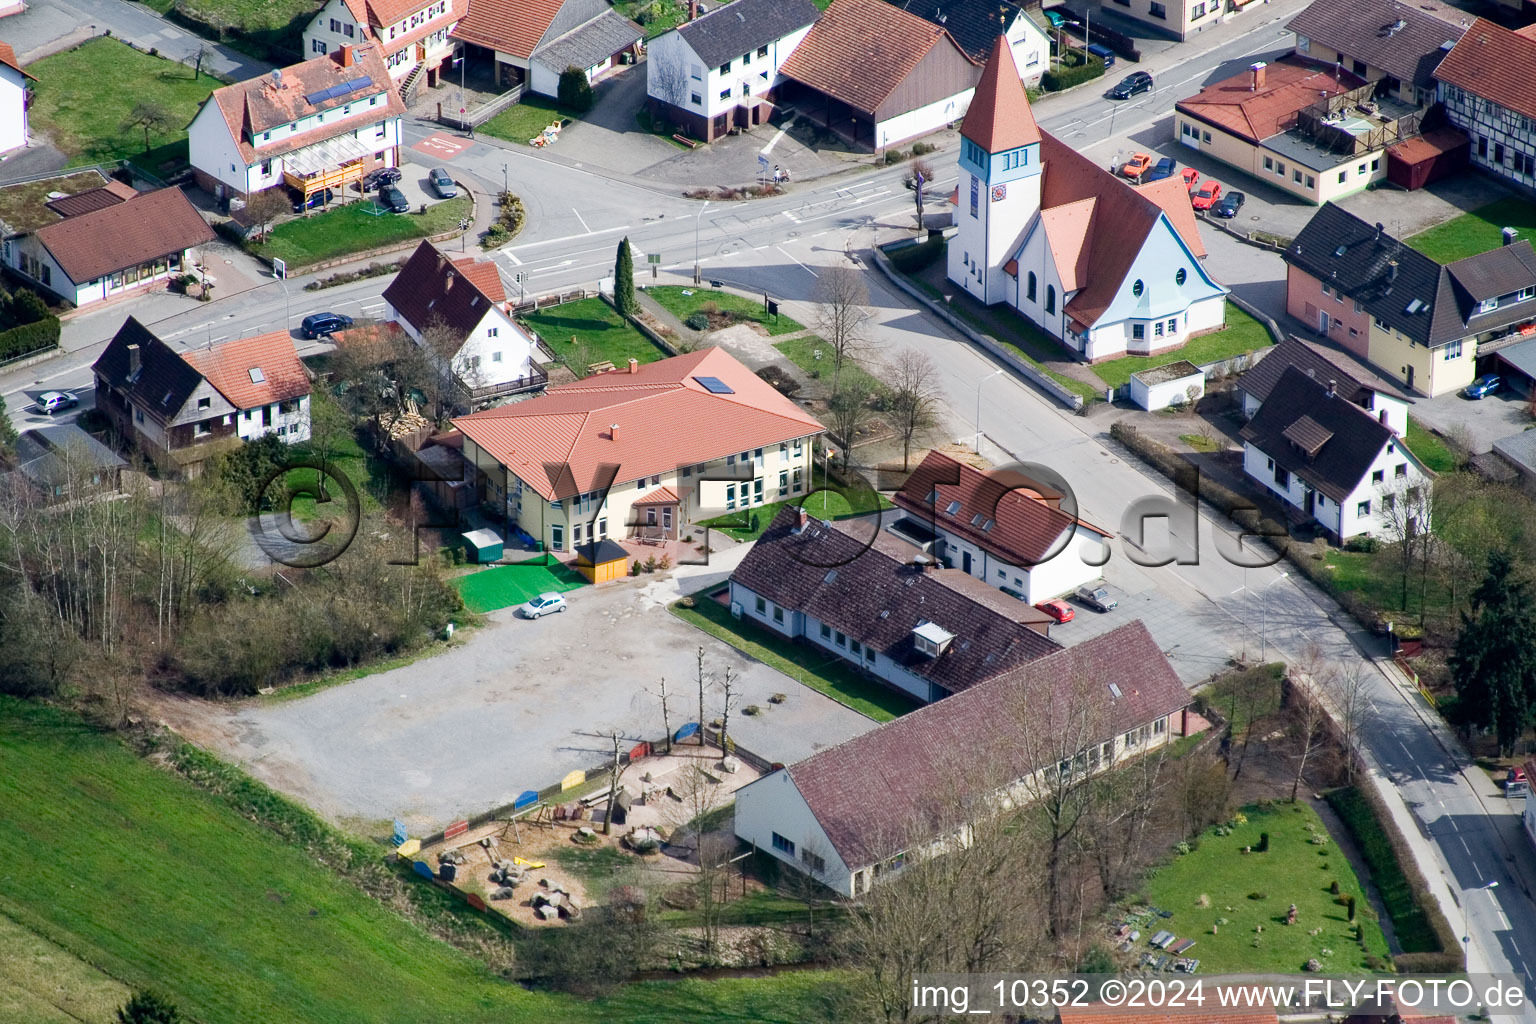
x=1229 y=205
x=1056 y=20
x=379 y=177
x=1516 y=784
x=318 y=199
x=1484 y=386
x=1191 y=179
x=1058 y=610
x=1130 y=85
x=442 y=183
x=394 y=200
x=1096 y=596
x=1102 y=52
x=1166 y=168
x=544 y=604
x=1137 y=165
x=1207 y=196
x=1013 y=593
x=50 y=402
x=319 y=324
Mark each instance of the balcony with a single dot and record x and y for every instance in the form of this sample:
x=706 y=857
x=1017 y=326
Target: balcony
x=480 y=396
x=333 y=163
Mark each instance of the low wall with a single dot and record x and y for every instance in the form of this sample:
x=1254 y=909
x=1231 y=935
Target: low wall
x=383 y=250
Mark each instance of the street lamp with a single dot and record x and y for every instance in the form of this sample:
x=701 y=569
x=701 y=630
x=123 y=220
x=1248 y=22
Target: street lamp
x=979 y=383
x=506 y=186
x=1264 y=624
x=1466 y=914
x=697 y=277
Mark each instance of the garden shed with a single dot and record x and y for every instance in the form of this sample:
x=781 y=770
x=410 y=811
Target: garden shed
x=482 y=546
x=1169 y=384
x=603 y=561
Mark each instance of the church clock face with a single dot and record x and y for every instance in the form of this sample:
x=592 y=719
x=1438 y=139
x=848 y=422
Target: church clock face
x=999 y=193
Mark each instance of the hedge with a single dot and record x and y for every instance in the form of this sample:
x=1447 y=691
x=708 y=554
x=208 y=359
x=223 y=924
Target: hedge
x=1061 y=77
x=29 y=338
x=910 y=259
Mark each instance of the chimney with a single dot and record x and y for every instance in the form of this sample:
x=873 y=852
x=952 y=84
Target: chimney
x=346 y=55
x=613 y=431
x=133 y=361
x=448 y=281
x=805 y=520
x=1391 y=271
x=1508 y=235
x=1378 y=232
x=693 y=9
x=1332 y=384
x=1258 y=76
x=634 y=365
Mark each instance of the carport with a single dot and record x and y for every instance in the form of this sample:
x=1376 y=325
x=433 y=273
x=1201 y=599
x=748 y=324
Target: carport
x=1516 y=364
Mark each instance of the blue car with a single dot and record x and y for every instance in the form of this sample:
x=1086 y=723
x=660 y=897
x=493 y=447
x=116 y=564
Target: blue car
x=1167 y=167
x=1484 y=386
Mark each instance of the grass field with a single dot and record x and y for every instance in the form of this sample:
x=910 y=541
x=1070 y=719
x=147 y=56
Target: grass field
x=827 y=504
x=802 y=352
x=352 y=227
x=136 y=872
x=254 y=16
x=1246 y=696
x=1408 y=920
x=503 y=586
x=1243 y=334
x=599 y=333
x=1429 y=448
x=802 y=662
x=83 y=96
x=1292 y=871
x=42 y=983
x=672 y=299
x=526 y=118
x=1478 y=231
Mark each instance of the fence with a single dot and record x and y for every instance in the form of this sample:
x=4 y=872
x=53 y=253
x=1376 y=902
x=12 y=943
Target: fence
x=483 y=113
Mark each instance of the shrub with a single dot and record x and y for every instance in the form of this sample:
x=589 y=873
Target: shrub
x=29 y=338
x=665 y=563
x=1258 y=896
x=1060 y=78
x=1334 y=888
x=923 y=148
x=495 y=236
x=574 y=90
x=1181 y=848
x=895 y=156
x=913 y=258
x=752 y=709
x=1263 y=842
x=634 y=570
x=1363 y=544
x=1351 y=907
x=697 y=322
x=710 y=308
x=650 y=563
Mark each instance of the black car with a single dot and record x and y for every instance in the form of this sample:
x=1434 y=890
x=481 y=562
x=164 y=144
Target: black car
x=317 y=324
x=318 y=199
x=379 y=177
x=1228 y=205
x=1130 y=85
x=394 y=199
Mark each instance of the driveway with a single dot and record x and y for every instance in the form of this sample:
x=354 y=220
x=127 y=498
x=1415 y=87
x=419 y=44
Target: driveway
x=516 y=706
x=1485 y=421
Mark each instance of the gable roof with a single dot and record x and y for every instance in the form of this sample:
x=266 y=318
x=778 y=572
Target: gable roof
x=135 y=231
x=483 y=275
x=1003 y=512
x=556 y=443
x=1494 y=63
x=741 y=26
x=110 y=194
x=999 y=117
x=255 y=371
x=431 y=287
x=47 y=455
x=1291 y=84
x=589 y=44
x=8 y=58
x=871 y=792
x=871 y=591
x=860 y=50
x=1406 y=40
x=1351 y=380
x=975 y=24
x=511 y=26
x=165 y=380
x=1337 y=439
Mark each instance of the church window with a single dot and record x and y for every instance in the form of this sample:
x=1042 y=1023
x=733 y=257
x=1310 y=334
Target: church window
x=1030 y=293
x=1050 y=298
x=1180 y=277
x=1137 y=288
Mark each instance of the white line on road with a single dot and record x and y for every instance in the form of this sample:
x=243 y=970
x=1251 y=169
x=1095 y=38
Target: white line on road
x=791 y=216
x=569 y=238
x=797 y=263
x=513 y=257
x=582 y=219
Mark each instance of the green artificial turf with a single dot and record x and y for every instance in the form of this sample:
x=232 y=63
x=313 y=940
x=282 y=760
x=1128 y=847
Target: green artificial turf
x=824 y=504
x=503 y=586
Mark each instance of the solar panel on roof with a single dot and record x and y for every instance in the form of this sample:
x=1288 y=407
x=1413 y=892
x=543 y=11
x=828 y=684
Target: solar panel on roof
x=359 y=84
x=714 y=385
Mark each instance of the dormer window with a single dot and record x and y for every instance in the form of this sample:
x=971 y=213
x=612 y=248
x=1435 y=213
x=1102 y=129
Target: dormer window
x=931 y=639
x=952 y=508
x=1488 y=305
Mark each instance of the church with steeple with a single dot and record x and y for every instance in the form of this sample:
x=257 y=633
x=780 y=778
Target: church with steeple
x=1106 y=267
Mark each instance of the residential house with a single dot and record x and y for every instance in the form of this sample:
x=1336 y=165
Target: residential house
x=105 y=242
x=1486 y=86
x=1392 y=44
x=62 y=461
x=462 y=305
x=1177 y=19
x=855 y=814
x=876 y=602
x=15 y=97
x=975 y=24
x=533 y=41
x=719 y=71
x=878 y=75
x=1419 y=322
x=182 y=408
x=1351 y=380
x=1328 y=458
x=321 y=124
x=1106 y=268
x=641 y=451
x=1000 y=527
x=412 y=35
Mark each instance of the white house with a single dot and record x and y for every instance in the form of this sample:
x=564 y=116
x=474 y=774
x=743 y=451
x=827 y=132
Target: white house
x=717 y=72
x=1485 y=85
x=412 y=35
x=533 y=41
x=495 y=357
x=13 y=99
x=321 y=124
x=976 y=24
x=1000 y=527
x=1350 y=379
x=1106 y=268
x=1337 y=463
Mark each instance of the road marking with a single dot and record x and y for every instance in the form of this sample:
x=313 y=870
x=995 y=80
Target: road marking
x=797 y=263
x=776 y=137
x=438 y=144
x=582 y=219
x=513 y=257
x=791 y=216
x=1505 y=919
x=569 y=238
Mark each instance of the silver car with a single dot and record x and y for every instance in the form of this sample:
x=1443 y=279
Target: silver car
x=1096 y=596
x=442 y=183
x=50 y=402
x=544 y=604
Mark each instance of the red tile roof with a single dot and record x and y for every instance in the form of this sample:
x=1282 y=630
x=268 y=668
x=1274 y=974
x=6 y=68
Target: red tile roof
x=999 y=117
x=113 y=238
x=1494 y=63
x=272 y=356
x=456 y=11
x=660 y=496
x=1172 y=195
x=1291 y=84
x=483 y=275
x=557 y=442
x=8 y=58
x=112 y=193
x=860 y=50
x=511 y=26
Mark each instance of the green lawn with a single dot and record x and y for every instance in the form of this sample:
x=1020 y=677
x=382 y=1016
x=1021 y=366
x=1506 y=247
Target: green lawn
x=802 y=352
x=257 y=17
x=825 y=504
x=354 y=227
x=149 y=880
x=1429 y=448
x=1408 y=919
x=1376 y=578
x=1247 y=695
x=83 y=96
x=1478 y=231
x=589 y=331
x=801 y=662
x=526 y=118
x=683 y=302
x=1243 y=334
x=503 y=586
x=1294 y=870
x=42 y=983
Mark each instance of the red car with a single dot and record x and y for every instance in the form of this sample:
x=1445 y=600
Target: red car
x=1207 y=196
x=1191 y=179
x=1058 y=610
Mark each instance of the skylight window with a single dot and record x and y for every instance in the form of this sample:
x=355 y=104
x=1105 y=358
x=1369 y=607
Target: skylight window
x=976 y=519
x=1414 y=306
x=953 y=507
x=830 y=577
x=1114 y=690
x=986 y=527
x=257 y=377
x=714 y=385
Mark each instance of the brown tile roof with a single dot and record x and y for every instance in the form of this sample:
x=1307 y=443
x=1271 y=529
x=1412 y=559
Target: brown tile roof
x=256 y=105
x=8 y=58
x=1494 y=63
x=871 y=793
x=1099 y=1014
x=511 y=26
x=1351 y=380
x=229 y=367
x=999 y=117
x=1307 y=434
x=146 y=227
x=456 y=10
x=1497 y=272
x=432 y=288
x=860 y=50
x=1291 y=84
x=165 y=380
x=111 y=194
x=483 y=275
x=1026 y=517
x=1369 y=31
x=557 y=442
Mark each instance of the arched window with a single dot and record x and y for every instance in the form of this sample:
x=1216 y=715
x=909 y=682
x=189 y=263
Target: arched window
x=1031 y=292
x=1180 y=277
x=1050 y=298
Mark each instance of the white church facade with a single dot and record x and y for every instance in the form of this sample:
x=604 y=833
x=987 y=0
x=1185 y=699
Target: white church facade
x=1107 y=268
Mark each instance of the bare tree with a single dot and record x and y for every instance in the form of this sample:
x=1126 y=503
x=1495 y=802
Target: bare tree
x=453 y=374
x=703 y=684
x=1405 y=516
x=616 y=772
x=913 y=396
x=1346 y=688
x=148 y=115
x=264 y=207
x=841 y=316
x=661 y=695
x=667 y=80
x=729 y=698
x=848 y=413
x=1308 y=718
x=1204 y=791
x=205 y=55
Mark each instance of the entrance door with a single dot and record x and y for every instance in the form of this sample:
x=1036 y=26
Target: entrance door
x=1410 y=376
x=965 y=562
x=1322 y=322
x=1310 y=503
x=666 y=520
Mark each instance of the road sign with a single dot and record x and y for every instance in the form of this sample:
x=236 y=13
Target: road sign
x=654 y=257
x=279 y=268
x=762 y=161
